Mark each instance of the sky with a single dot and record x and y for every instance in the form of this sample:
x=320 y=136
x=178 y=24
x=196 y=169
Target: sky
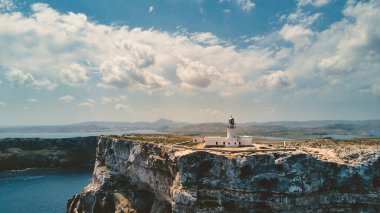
x=71 y=61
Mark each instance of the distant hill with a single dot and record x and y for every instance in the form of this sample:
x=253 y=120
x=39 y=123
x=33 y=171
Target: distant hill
x=161 y=125
x=295 y=129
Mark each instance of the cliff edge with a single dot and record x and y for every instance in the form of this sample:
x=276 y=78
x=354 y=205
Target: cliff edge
x=138 y=176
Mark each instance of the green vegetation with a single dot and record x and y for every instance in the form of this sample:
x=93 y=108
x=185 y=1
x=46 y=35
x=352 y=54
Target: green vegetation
x=331 y=143
x=161 y=139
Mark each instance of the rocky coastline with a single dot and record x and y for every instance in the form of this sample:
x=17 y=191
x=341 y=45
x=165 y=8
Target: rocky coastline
x=22 y=153
x=139 y=176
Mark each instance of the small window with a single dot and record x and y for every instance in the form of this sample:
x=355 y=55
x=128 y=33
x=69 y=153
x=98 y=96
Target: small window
x=228 y=143
x=224 y=143
x=235 y=143
x=217 y=143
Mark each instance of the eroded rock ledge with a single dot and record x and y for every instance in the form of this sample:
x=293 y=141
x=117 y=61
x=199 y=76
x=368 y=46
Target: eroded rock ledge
x=135 y=176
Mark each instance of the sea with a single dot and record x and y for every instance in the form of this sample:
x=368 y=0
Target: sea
x=44 y=190
x=40 y=190
x=69 y=134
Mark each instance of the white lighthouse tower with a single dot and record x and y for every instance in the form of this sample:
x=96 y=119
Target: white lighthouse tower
x=232 y=140
x=231 y=133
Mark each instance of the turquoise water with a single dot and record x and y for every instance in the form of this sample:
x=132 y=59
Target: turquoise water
x=40 y=190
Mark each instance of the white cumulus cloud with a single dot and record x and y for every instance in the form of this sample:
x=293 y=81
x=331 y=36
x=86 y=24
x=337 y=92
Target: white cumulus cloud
x=315 y=3
x=121 y=107
x=195 y=74
x=277 y=80
x=246 y=4
x=19 y=78
x=118 y=57
x=296 y=34
x=108 y=100
x=124 y=72
x=206 y=38
x=75 y=74
x=88 y=103
x=81 y=52
x=66 y=98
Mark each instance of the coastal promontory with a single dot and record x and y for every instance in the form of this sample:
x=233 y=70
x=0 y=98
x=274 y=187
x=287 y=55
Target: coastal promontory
x=162 y=174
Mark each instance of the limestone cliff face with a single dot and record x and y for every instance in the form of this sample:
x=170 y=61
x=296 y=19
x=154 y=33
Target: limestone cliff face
x=132 y=176
x=21 y=153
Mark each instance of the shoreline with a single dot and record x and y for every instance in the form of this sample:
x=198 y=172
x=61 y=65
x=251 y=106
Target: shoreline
x=24 y=153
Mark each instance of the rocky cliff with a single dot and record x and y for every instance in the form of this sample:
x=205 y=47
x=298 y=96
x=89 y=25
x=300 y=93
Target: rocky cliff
x=21 y=153
x=135 y=176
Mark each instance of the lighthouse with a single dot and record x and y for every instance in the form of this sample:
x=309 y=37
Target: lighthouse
x=232 y=140
x=231 y=134
x=231 y=129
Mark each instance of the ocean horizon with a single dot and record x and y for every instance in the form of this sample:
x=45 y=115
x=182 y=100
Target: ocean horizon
x=70 y=134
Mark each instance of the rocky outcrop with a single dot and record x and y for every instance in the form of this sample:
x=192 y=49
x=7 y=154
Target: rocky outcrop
x=21 y=153
x=133 y=176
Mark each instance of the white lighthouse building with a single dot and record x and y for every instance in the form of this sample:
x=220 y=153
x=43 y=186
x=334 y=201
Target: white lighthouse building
x=232 y=140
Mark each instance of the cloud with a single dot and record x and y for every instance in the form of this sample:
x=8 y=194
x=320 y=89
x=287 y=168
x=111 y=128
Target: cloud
x=44 y=84
x=66 y=98
x=151 y=8
x=357 y=42
x=88 y=103
x=376 y=89
x=75 y=74
x=315 y=3
x=246 y=5
x=232 y=79
x=2 y=103
x=79 y=52
x=194 y=74
x=7 y=5
x=19 y=78
x=124 y=72
x=121 y=107
x=108 y=100
x=276 y=80
x=150 y=60
x=32 y=100
x=299 y=17
x=227 y=94
x=210 y=112
x=343 y=59
x=296 y=34
x=205 y=38
x=227 y=11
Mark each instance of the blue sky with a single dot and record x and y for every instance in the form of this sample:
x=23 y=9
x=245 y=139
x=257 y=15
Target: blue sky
x=188 y=60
